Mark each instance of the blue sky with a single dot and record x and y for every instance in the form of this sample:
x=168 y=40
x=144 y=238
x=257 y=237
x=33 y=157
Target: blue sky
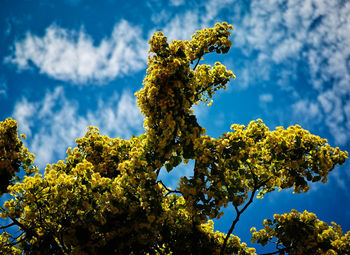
x=68 y=64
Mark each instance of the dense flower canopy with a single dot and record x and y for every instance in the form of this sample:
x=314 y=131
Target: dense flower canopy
x=106 y=196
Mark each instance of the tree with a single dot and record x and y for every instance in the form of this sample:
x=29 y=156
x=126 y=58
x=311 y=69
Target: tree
x=106 y=197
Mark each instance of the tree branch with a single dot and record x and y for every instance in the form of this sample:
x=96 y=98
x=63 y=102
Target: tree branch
x=24 y=228
x=169 y=190
x=199 y=58
x=239 y=212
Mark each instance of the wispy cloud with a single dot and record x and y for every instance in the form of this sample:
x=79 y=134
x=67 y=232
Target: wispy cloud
x=265 y=98
x=3 y=88
x=212 y=10
x=23 y=113
x=177 y=2
x=281 y=38
x=307 y=111
x=184 y=24
x=73 y=56
x=58 y=122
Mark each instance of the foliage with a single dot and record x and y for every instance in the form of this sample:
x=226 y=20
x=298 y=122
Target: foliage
x=106 y=196
x=13 y=155
x=312 y=236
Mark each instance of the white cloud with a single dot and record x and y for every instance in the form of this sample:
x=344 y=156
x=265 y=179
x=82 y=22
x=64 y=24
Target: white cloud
x=74 y=57
x=307 y=111
x=177 y=2
x=23 y=113
x=183 y=25
x=59 y=123
x=3 y=88
x=213 y=8
x=265 y=98
x=159 y=17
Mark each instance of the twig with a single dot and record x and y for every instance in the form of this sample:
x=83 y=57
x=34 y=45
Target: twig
x=199 y=58
x=169 y=190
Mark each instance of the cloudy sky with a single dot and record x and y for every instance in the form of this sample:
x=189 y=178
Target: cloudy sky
x=68 y=64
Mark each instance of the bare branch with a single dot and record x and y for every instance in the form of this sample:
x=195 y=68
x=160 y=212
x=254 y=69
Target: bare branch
x=239 y=212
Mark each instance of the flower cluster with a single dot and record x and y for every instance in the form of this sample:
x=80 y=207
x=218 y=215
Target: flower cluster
x=171 y=88
x=303 y=233
x=209 y=40
x=253 y=158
